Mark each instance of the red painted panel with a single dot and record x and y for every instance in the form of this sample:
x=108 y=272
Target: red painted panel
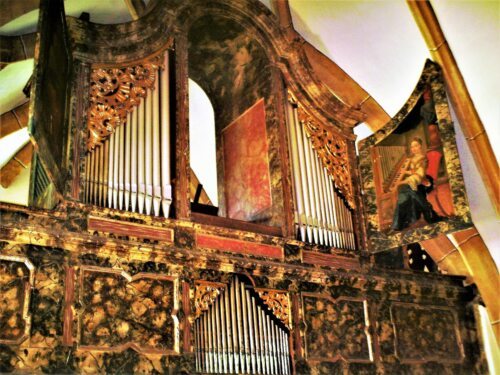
x=121 y=228
x=238 y=246
x=246 y=165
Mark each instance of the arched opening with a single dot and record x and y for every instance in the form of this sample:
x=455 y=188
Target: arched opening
x=232 y=68
x=202 y=150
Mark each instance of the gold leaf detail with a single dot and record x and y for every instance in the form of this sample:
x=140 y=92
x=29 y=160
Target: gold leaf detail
x=205 y=294
x=278 y=302
x=114 y=92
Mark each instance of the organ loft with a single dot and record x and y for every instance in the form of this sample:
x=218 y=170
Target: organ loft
x=274 y=245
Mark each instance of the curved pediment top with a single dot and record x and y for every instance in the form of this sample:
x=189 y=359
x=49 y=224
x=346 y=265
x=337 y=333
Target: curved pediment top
x=123 y=44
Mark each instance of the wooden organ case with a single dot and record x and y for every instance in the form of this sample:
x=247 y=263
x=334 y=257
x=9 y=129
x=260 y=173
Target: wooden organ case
x=110 y=270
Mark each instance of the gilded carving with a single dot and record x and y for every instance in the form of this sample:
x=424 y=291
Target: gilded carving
x=16 y=279
x=114 y=92
x=278 y=302
x=332 y=150
x=120 y=311
x=206 y=293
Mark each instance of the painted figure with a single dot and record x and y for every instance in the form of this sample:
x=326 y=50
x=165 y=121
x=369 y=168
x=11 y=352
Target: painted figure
x=412 y=191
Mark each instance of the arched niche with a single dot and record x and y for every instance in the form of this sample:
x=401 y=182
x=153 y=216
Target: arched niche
x=235 y=71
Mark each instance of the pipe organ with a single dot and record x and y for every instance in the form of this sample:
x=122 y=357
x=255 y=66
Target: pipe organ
x=390 y=160
x=238 y=334
x=321 y=215
x=130 y=169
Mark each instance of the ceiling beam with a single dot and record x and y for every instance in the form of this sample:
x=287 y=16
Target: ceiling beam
x=338 y=81
x=480 y=264
x=467 y=115
x=136 y=8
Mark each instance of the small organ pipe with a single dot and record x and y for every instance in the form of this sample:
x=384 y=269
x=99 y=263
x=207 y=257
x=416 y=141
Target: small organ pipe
x=106 y=173
x=111 y=169
x=230 y=330
x=128 y=144
x=121 y=170
x=234 y=326
x=307 y=160
x=165 y=138
x=305 y=185
x=223 y=333
x=299 y=199
x=100 y=174
x=141 y=160
x=251 y=331
x=148 y=166
x=258 y=353
x=156 y=150
x=244 y=316
x=134 y=161
x=116 y=161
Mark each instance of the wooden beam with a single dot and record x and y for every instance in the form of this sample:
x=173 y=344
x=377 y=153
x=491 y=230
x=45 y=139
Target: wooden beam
x=446 y=256
x=345 y=88
x=338 y=81
x=136 y=8
x=482 y=267
x=468 y=117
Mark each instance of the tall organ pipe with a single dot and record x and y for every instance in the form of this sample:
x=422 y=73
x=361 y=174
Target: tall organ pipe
x=321 y=215
x=131 y=169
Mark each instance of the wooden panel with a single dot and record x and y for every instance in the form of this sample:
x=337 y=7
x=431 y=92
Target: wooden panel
x=329 y=322
x=329 y=260
x=120 y=228
x=48 y=123
x=246 y=164
x=433 y=334
x=238 y=246
x=236 y=224
x=120 y=311
x=16 y=281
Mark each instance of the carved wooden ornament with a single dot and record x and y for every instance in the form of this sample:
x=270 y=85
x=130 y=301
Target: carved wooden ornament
x=114 y=92
x=332 y=150
x=278 y=302
x=205 y=294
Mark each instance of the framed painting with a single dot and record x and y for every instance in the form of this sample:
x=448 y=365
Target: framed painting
x=411 y=174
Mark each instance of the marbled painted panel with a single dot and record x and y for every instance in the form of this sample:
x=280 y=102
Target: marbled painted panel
x=16 y=279
x=424 y=334
x=120 y=311
x=329 y=322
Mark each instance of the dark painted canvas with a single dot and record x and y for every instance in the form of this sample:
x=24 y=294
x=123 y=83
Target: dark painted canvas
x=411 y=172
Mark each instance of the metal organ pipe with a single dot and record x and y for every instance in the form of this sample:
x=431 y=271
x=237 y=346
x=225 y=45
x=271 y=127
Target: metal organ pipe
x=321 y=215
x=261 y=340
x=131 y=169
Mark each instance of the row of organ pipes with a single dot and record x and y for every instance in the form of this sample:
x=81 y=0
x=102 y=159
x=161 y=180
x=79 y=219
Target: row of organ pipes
x=390 y=158
x=131 y=169
x=238 y=335
x=321 y=215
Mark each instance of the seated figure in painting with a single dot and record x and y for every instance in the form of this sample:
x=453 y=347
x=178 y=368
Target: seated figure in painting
x=412 y=191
